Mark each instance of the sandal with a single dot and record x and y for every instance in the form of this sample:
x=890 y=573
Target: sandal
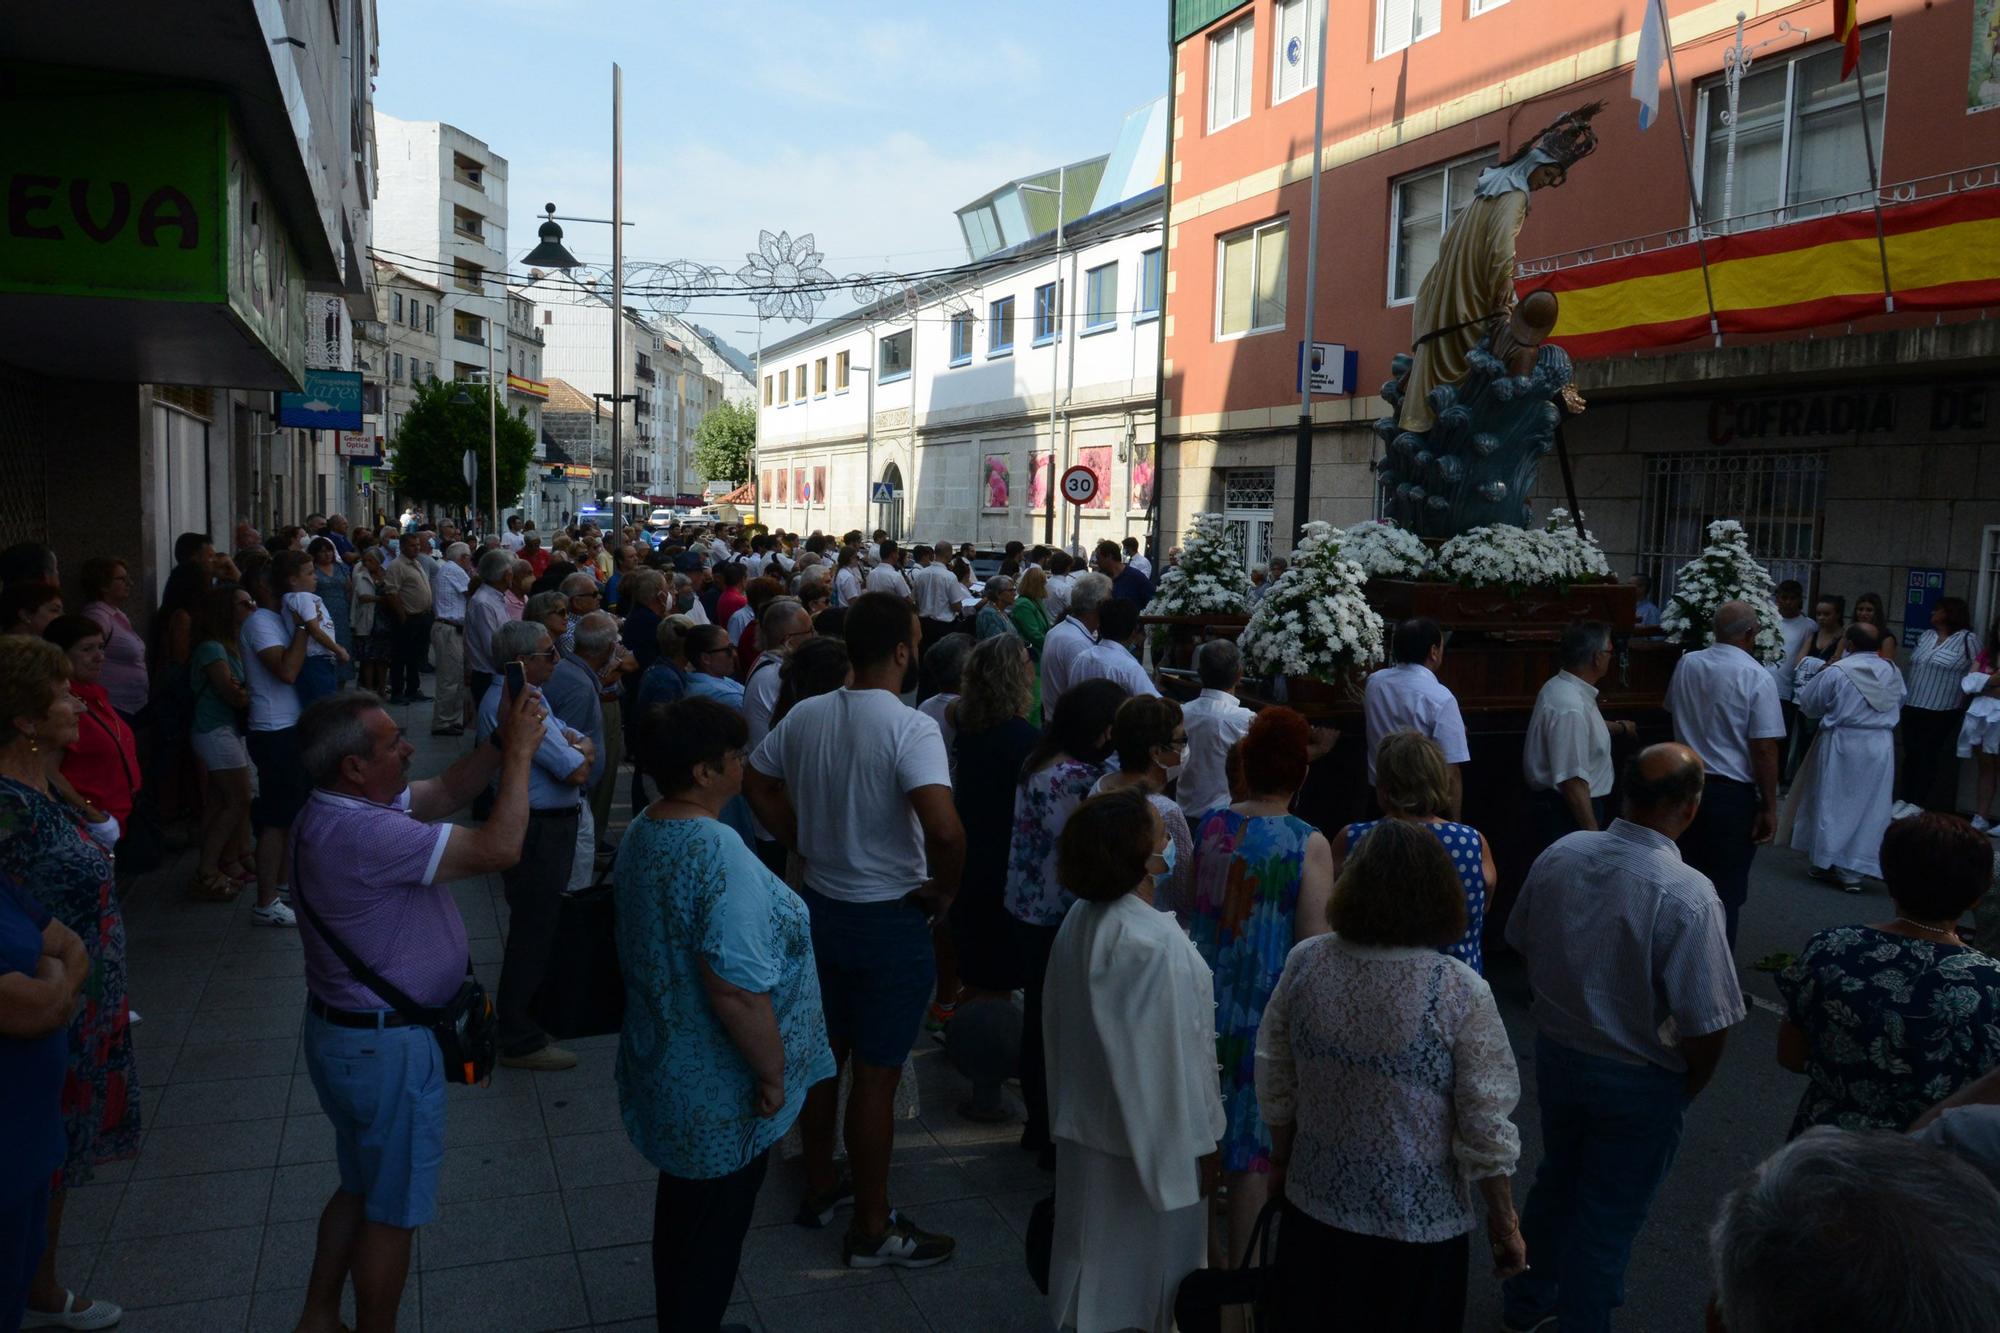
x=214 y=888
x=243 y=870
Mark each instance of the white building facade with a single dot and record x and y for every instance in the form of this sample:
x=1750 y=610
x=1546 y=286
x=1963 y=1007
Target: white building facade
x=944 y=399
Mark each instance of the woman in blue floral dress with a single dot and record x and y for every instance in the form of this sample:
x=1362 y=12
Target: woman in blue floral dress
x=1065 y=764
x=45 y=844
x=1413 y=783
x=1262 y=880
x=1886 y=1020
x=724 y=1031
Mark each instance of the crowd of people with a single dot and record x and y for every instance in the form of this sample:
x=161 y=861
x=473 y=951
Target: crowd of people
x=848 y=793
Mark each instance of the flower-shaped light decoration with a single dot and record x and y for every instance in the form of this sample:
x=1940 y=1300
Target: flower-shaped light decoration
x=674 y=285
x=1725 y=571
x=1314 y=620
x=1208 y=580
x=785 y=276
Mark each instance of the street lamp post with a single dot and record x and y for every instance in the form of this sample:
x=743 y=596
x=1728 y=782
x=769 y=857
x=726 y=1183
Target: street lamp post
x=1302 y=453
x=464 y=399
x=1055 y=352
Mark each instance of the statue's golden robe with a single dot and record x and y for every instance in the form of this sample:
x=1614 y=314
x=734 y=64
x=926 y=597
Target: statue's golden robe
x=1472 y=280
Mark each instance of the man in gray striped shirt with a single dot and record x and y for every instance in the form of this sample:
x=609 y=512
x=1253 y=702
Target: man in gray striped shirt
x=1635 y=991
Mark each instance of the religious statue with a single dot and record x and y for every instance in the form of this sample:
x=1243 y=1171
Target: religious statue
x=1478 y=400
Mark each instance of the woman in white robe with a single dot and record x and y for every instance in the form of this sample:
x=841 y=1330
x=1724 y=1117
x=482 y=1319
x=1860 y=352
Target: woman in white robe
x=1134 y=1105
x=1842 y=799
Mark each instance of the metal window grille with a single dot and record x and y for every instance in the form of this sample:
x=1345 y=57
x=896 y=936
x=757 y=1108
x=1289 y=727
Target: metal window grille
x=1777 y=495
x=1249 y=497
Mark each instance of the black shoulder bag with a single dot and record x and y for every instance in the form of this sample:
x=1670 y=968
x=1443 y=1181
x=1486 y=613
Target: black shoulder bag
x=1205 y=1293
x=466 y=1030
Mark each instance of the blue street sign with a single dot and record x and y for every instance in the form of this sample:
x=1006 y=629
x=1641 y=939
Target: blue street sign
x=1920 y=597
x=882 y=493
x=1334 y=368
x=331 y=401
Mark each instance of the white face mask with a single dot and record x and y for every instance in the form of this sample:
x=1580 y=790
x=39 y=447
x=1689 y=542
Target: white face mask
x=1173 y=770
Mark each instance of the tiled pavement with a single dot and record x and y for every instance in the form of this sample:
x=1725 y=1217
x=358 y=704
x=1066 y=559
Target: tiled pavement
x=546 y=1210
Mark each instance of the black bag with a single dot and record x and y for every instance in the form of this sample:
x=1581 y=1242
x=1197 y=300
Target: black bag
x=583 y=991
x=1207 y=1292
x=466 y=1030
x=1041 y=1241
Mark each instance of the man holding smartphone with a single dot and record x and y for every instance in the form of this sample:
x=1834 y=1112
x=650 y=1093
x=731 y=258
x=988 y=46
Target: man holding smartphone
x=526 y=657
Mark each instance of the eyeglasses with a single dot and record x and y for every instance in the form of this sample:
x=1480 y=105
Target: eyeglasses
x=546 y=652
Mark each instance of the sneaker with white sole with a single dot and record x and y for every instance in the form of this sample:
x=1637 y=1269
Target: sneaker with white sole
x=903 y=1245
x=1979 y=824
x=99 y=1313
x=277 y=914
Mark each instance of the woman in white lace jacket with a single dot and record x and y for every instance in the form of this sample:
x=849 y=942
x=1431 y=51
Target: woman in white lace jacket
x=1385 y=1077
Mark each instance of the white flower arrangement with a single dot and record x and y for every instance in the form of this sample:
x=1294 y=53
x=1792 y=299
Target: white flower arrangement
x=1314 y=620
x=1725 y=571
x=1517 y=558
x=1209 y=580
x=1385 y=551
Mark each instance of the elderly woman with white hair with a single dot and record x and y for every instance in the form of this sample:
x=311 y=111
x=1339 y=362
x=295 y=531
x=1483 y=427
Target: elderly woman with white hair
x=1845 y=1230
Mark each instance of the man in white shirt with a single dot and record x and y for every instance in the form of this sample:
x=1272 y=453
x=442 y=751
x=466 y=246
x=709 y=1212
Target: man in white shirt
x=937 y=593
x=1137 y=558
x=452 y=587
x=513 y=539
x=1566 y=756
x=1062 y=580
x=485 y=612
x=1796 y=627
x=1111 y=657
x=888 y=576
x=1215 y=720
x=1725 y=708
x=1071 y=637
x=1407 y=696
x=859 y=785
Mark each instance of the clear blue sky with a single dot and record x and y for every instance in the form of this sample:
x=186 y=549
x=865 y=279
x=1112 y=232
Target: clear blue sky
x=865 y=124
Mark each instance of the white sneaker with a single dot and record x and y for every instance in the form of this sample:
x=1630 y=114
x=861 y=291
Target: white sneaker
x=1979 y=824
x=277 y=914
x=1903 y=810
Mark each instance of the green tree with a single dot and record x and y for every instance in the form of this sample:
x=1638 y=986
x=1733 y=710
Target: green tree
x=428 y=453
x=723 y=441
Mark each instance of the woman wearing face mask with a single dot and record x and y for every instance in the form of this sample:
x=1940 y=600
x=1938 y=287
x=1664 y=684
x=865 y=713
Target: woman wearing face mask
x=1134 y=1105
x=1151 y=745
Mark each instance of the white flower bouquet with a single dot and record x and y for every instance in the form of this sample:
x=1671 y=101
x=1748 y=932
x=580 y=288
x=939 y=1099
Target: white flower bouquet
x=1314 y=621
x=1518 y=558
x=1385 y=551
x=1209 y=580
x=1725 y=571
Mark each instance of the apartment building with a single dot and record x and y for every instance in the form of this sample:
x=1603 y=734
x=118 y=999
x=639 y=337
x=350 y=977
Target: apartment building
x=1852 y=429
x=951 y=410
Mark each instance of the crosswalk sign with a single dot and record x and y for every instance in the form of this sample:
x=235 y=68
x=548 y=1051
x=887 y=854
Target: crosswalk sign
x=883 y=493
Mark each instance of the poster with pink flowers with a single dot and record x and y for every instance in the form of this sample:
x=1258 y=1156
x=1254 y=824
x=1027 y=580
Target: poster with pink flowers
x=767 y=487
x=782 y=474
x=819 y=485
x=1142 y=478
x=1041 y=479
x=997 y=481
x=1097 y=458
x=799 y=492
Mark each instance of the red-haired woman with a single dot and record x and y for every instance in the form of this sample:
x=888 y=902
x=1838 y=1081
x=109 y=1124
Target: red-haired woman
x=1262 y=877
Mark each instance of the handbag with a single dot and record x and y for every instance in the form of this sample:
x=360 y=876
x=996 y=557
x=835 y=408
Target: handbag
x=1205 y=1293
x=583 y=991
x=466 y=1029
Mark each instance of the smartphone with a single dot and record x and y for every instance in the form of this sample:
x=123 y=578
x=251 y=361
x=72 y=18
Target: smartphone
x=517 y=680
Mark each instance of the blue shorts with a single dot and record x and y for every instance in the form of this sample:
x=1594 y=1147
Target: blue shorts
x=384 y=1092
x=877 y=969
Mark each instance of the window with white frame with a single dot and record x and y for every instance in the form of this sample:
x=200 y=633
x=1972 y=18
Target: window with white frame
x=1479 y=7
x=1250 y=280
x=1798 y=136
x=892 y=361
x=1422 y=208
x=1100 y=298
x=1295 y=46
x=1152 y=283
x=819 y=378
x=1048 y=313
x=1000 y=327
x=840 y=372
x=1230 y=53
x=784 y=390
x=1401 y=23
x=961 y=338
x=767 y=391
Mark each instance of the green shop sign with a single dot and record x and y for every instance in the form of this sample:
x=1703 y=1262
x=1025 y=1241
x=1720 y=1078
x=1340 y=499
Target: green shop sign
x=119 y=189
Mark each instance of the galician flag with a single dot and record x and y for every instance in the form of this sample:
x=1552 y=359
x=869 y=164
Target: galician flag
x=1847 y=27
x=1652 y=54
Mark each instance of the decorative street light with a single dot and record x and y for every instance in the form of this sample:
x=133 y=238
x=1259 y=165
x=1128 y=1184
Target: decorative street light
x=464 y=399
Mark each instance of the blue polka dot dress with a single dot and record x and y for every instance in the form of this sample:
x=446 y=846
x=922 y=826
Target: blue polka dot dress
x=1466 y=848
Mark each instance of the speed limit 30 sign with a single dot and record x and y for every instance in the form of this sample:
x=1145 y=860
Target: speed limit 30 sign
x=1079 y=485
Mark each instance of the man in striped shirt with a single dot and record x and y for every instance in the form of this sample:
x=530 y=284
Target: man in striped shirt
x=1635 y=991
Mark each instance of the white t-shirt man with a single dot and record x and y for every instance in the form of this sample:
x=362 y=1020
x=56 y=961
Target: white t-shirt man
x=511 y=540
x=937 y=592
x=889 y=579
x=1796 y=630
x=850 y=759
x=1067 y=641
x=1215 y=721
x=1106 y=660
x=1409 y=697
x=1722 y=699
x=274 y=704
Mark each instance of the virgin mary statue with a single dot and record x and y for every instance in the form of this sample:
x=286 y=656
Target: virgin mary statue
x=1470 y=289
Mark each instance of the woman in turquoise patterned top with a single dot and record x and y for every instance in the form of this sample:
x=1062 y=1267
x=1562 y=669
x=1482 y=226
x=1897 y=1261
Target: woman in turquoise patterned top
x=1262 y=877
x=1413 y=784
x=723 y=1026
x=1887 y=1020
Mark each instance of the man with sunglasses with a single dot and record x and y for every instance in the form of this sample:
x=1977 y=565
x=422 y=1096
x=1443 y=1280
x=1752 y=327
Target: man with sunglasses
x=712 y=666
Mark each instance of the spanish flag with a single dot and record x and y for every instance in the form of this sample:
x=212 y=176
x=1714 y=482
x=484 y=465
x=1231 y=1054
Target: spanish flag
x=1847 y=27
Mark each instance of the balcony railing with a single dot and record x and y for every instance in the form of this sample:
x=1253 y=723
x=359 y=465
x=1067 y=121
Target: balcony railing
x=645 y=373
x=472 y=229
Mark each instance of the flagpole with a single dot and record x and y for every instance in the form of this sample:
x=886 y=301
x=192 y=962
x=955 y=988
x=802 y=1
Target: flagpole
x=1687 y=164
x=1874 y=191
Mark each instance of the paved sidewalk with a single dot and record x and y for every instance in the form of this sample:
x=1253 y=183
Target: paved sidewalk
x=546 y=1210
